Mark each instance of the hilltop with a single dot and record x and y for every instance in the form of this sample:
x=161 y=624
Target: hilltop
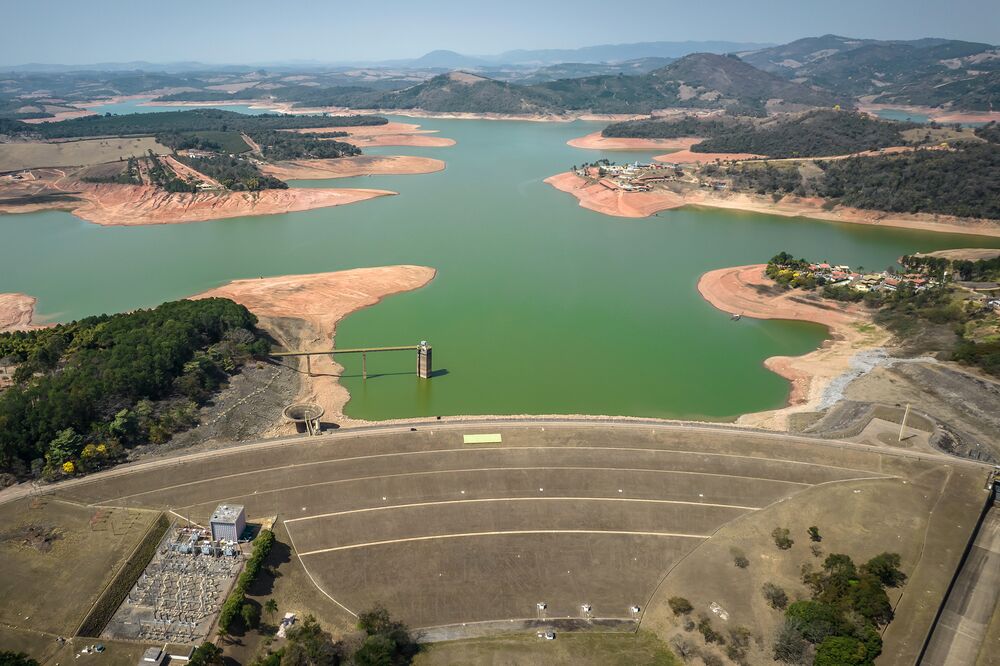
x=701 y=80
x=931 y=72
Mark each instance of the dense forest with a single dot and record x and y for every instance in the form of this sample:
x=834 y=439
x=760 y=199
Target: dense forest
x=964 y=182
x=674 y=128
x=233 y=173
x=277 y=146
x=86 y=390
x=166 y=122
x=818 y=133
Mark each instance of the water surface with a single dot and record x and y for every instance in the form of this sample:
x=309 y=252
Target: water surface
x=539 y=306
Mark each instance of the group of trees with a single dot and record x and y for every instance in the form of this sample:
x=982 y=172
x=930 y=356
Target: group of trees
x=236 y=604
x=234 y=173
x=193 y=120
x=814 y=134
x=980 y=270
x=86 y=390
x=963 y=182
x=841 y=621
x=380 y=641
x=277 y=146
x=653 y=128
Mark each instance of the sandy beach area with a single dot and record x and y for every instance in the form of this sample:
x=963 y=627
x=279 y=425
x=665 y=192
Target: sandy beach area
x=17 y=312
x=61 y=115
x=302 y=311
x=745 y=290
x=346 y=167
x=643 y=204
x=594 y=141
x=391 y=134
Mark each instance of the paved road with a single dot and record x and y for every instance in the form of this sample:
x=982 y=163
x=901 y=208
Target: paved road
x=960 y=633
x=463 y=423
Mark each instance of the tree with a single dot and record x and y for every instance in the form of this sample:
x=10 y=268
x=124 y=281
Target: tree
x=781 y=538
x=206 y=654
x=885 y=567
x=841 y=651
x=680 y=605
x=250 y=612
x=816 y=620
x=16 y=659
x=377 y=650
x=776 y=597
x=309 y=645
x=271 y=607
x=814 y=534
x=790 y=646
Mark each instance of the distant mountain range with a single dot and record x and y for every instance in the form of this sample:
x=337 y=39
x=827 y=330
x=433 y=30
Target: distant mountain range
x=624 y=78
x=440 y=59
x=700 y=80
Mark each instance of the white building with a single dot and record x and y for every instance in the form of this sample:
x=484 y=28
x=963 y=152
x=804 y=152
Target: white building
x=228 y=522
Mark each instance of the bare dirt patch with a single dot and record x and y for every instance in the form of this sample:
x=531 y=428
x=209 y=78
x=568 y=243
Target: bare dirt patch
x=33 y=535
x=346 y=167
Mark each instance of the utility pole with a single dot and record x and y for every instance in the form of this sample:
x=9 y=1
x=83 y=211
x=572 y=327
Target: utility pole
x=902 y=424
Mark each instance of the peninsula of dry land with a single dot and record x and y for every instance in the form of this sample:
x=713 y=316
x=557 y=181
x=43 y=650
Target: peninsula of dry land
x=747 y=291
x=302 y=311
x=346 y=167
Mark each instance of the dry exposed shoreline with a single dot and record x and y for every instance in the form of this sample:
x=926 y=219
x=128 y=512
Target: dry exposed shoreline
x=133 y=205
x=745 y=290
x=17 y=312
x=345 y=167
x=390 y=134
x=643 y=204
x=302 y=312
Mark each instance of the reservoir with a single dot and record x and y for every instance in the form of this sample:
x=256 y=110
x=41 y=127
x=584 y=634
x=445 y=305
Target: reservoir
x=538 y=307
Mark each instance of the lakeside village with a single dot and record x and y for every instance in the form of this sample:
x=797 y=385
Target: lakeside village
x=637 y=176
x=920 y=276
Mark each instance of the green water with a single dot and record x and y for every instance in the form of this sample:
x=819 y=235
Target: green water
x=539 y=306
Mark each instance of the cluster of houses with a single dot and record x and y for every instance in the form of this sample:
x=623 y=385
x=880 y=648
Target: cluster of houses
x=843 y=276
x=634 y=177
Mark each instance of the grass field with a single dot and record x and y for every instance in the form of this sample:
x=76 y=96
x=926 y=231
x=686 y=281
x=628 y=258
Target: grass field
x=583 y=649
x=18 y=156
x=51 y=591
x=459 y=540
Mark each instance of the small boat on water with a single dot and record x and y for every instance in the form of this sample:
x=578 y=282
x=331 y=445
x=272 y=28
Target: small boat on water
x=736 y=317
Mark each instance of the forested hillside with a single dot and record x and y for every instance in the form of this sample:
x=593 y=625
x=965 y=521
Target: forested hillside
x=814 y=134
x=964 y=181
x=194 y=120
x=85 y=390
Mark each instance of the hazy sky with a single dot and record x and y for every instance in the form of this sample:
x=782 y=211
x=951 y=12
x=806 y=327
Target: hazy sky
x=243 y=31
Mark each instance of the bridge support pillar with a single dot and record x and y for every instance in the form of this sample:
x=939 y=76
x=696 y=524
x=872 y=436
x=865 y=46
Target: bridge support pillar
x=424 y=365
